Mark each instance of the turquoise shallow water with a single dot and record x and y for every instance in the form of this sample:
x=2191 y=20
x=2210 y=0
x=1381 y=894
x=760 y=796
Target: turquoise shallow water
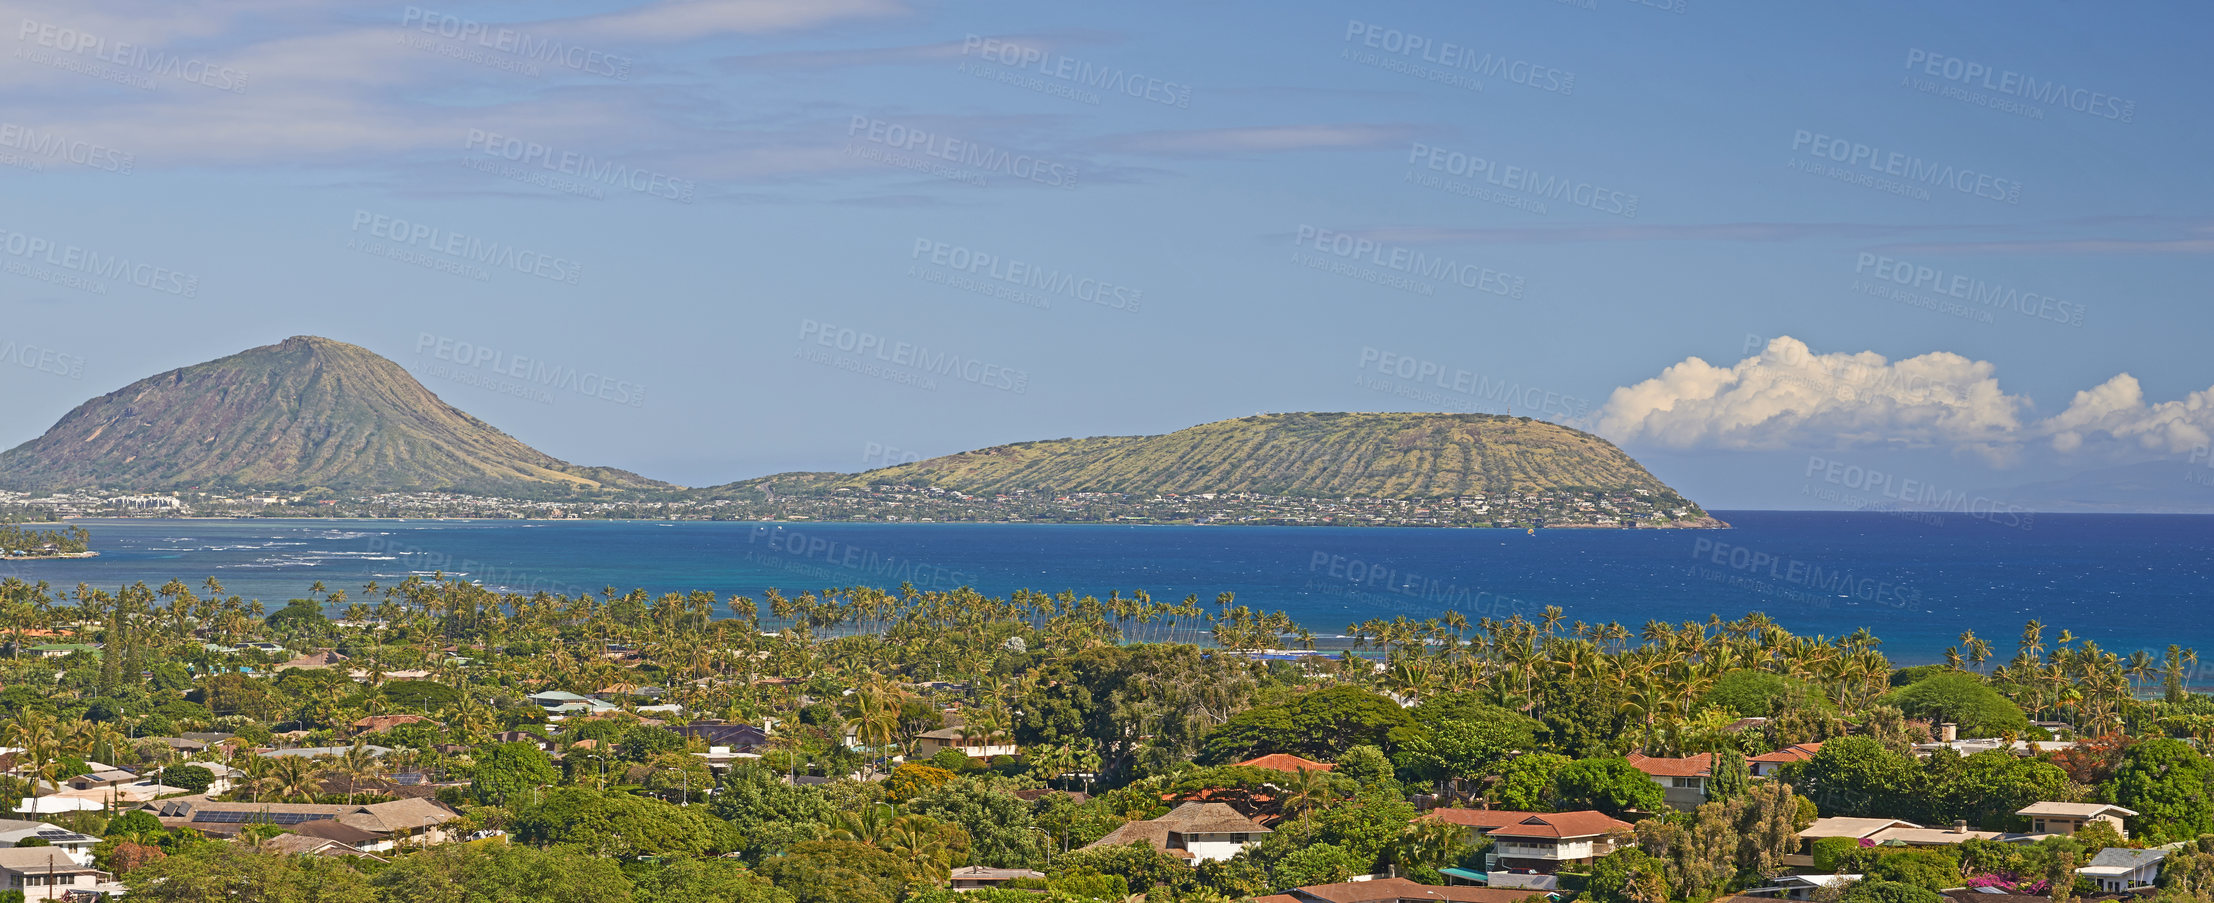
x=2126 y=581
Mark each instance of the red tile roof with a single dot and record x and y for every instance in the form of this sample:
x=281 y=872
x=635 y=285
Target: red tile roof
x=1285 y=762
x=1557 y=825
x=1686 y=767
x=1797 y=752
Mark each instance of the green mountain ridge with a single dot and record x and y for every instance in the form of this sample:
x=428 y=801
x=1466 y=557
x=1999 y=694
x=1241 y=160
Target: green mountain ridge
x=306 y=412
x=1311 y=455
x=313 y=413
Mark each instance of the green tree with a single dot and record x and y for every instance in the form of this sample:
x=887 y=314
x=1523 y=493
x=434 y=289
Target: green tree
x=1319 y=863
x=1462 y=751
x=234 y=873
x=1926 y=869
x=501 y=872
x=621 y=825
x=191 y=778
x=1880 y=891
x=510 y=771
x=836 y=871
x=1627 y=875
x=1611 y=786
x=1730 y=775
x=1963 y=699
x=769 y=814
x=1856 y=776
x=707 y=881
x=1527 y=783
x=2166 y=781
x=1001 y=834
x=1319 y=725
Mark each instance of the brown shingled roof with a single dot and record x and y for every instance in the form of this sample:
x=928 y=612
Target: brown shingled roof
x=1558 y=825
x=1686 y=767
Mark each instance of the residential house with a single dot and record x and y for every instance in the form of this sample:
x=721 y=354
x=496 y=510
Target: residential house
x=2068 y=818
x=563 y=702
x=738 y=736
x=1767 y=764
x=2116 y=869
x=523 y=737
x=325 y=752
x=102 y=780
x=57 y=650
x=313 y=661
x=1799 y=887
x=931 y=743
x=77 y=846
x=298 y=844
x=46 y=873
x=1199 y=832
x=1531 y=850
x=972 y=877
x=1878 y=831
x=1683 y=781
x=1394 y=890
x=390 y=823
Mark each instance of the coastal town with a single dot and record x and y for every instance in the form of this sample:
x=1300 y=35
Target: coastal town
x=904 y=503
x=435 y=739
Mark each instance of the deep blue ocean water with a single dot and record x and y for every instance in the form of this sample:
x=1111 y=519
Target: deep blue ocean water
x=2126 y=581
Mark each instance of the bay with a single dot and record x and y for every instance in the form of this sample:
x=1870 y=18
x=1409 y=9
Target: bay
x=2125 y=581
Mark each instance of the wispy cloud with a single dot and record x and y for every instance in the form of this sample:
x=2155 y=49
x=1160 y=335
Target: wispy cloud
x=1565 y=234
x=1264 y=139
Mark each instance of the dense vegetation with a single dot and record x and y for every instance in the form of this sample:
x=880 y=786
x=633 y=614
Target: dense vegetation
x=1140 y=703
x=23 y=542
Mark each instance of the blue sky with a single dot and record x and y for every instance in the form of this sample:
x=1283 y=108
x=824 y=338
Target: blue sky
x=715 y=239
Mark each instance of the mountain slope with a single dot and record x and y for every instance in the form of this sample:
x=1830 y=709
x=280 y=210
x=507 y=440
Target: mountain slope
x=305 y=412
x=1383 y=455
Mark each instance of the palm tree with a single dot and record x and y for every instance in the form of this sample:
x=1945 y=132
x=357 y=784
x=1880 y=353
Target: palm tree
x=295 y=777
x=355 y=763
x=1306 y=789
x=923 y=847
x=870 y=826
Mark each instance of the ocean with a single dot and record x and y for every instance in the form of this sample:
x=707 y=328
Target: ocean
x=2126 y=581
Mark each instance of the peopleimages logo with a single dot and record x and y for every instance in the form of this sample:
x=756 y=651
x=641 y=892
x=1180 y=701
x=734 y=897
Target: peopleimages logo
x=1795 y=572
x=1543 y=186
x=582 y=166
x=533 y=371
x=1395 y=260
x=427 y=237
x=79 y=260
x=1399 y=50
x=51 y=146
x=1076 y=72
x=1918 y=494
x=521 y=45
x=1475 y=386
x=1965 y=288
x=1049 y=280
x=2010 y=83
x=915 y=360
x=1913 y=171
x=972 y=154
x=43 y=360
x=133 y=57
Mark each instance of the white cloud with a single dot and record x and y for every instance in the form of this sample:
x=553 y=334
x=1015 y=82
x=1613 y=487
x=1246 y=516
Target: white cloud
x=2116 y=410
x=1789 y=396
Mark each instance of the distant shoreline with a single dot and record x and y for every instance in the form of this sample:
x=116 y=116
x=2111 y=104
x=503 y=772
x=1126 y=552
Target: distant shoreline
x=86 y=554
